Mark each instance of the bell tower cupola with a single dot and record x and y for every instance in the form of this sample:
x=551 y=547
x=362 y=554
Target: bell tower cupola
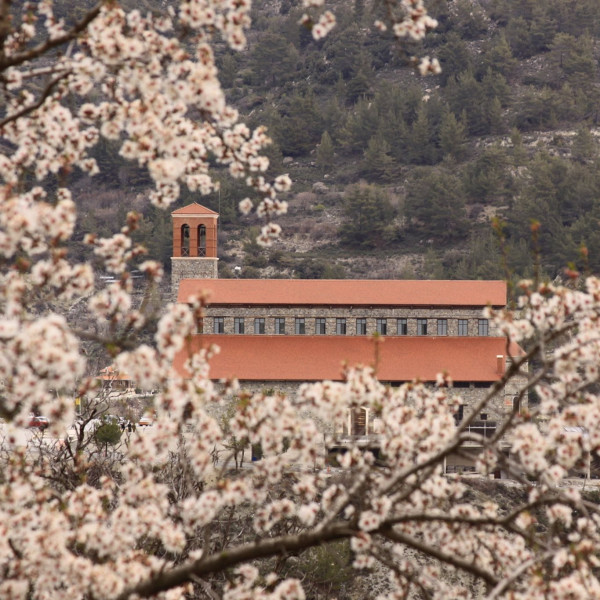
x=194 y=253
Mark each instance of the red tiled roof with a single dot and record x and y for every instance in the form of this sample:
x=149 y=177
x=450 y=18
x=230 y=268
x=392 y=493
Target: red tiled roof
x=194 y=209
x=345 y=292
x=313 y=358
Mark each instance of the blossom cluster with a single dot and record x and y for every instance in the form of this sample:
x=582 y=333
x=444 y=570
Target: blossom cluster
x=167 y=510
x=149 y=87
x=416 y=22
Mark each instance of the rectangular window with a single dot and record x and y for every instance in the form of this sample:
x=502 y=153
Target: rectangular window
x=200 y=325
x=280 y=326
x=340 y=326
x=238 y=325
x=516 y=404
x=361 y=327
x=421 y=326
x=381 y=326
x=319 y=326
x=300 y=326
x=402 y=327
x=219 y=325
x=483 y=327
x=463 y=327
x=442 y=326
x=259 y=326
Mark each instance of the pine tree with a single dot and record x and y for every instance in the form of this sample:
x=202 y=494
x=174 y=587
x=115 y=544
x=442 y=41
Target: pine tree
x=453 y=137
x=333 y=116
x=494 y=85
x=499 y=57
x=543 y=29
x=300 y=126
x=421 y=149
x=434 y=206
x=585 y=147
x=361 y=125
x=454 y=56
x=274 y=60
x=487 y=180
x=358 y=87
x=575 y=58
x=368 y=213
x=377 y=162
x=519 y=153
x=325 y=151
x=494 y=116
x=228 y=70
x=467 y=94
x=518 y=36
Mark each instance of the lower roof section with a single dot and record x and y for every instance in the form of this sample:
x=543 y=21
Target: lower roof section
x=314 y=358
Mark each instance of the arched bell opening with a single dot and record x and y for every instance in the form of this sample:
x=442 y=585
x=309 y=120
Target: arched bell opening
x=185 y=240
x=201 y=240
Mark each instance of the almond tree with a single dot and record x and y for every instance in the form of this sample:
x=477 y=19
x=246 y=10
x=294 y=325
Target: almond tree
x=156 y=522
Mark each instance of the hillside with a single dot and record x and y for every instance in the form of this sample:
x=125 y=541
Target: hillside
x=398 y=175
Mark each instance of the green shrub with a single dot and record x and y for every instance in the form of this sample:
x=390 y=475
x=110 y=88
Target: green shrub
x=108 y=434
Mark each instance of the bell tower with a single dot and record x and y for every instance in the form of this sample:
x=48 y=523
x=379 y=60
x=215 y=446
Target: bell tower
x=194 y=253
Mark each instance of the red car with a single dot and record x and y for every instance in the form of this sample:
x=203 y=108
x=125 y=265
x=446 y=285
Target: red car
x=38 y=422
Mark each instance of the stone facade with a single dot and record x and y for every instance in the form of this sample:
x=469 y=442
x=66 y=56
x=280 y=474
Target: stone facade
x=471 y=393
x=192 y=268
x=351 y=314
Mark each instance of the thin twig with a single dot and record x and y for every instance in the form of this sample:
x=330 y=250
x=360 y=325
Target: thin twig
x=31 y=107
x=504 y=583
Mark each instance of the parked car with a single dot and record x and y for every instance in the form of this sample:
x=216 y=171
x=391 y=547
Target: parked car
x=38 y=422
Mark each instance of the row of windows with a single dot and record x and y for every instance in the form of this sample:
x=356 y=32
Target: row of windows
x=381 y=326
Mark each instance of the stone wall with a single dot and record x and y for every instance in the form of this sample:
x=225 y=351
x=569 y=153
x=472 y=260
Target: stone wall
x=192 y=268
x=470 y=393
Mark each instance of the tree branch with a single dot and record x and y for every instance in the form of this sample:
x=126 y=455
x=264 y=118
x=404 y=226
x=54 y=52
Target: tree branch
x=450 y=559
x=206 y=588
x=504 y=583
x=43 y=47
x=4 y=23
x=231 y=558
x=31 y=107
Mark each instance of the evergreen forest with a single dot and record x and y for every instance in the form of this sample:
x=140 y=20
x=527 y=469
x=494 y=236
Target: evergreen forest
x=488 y=169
